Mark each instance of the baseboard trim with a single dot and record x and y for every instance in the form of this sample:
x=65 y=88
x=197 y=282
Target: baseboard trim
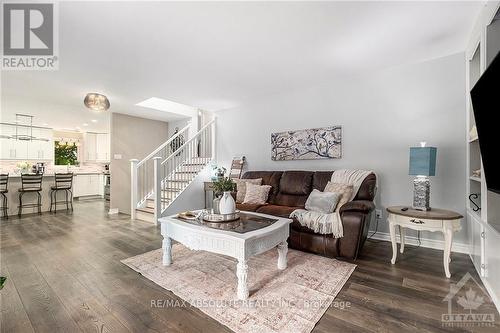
x=424 y=242
x=113 y=211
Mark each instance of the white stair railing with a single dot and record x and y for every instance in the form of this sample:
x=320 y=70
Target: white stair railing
x=142 y=180
x=173 y=174
x=166 y=172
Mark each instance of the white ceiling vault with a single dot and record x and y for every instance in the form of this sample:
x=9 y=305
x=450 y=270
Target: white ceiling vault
x=216 y=55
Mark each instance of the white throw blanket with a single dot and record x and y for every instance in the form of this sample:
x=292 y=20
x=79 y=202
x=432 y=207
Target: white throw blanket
x=331 y=223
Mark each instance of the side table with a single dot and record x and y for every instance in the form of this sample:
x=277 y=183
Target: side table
x=440 y=220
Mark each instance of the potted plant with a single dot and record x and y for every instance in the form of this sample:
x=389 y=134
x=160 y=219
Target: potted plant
x=219 y=172
x=225 y=186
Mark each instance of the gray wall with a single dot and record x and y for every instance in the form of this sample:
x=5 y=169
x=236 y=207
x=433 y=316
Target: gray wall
x=132 y=137
x=382 y=113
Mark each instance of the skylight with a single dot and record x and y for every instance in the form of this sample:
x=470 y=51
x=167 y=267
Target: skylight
x=161 y=104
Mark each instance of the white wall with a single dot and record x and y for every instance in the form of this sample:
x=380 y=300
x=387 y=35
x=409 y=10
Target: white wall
x=382 y=114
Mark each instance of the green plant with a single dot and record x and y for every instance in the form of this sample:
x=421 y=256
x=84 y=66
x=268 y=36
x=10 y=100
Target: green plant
x=2 y=281
x=224 y=184
x=219 y=171
x=65 y=154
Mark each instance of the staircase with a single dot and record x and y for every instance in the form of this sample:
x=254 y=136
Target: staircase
x=160 y=178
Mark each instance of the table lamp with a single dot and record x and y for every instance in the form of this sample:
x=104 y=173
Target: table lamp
x=422 y=165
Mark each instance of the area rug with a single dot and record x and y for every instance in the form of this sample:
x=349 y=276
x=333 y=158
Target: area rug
x=292 y=300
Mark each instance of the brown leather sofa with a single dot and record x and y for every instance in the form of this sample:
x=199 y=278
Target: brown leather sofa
x=290 y=190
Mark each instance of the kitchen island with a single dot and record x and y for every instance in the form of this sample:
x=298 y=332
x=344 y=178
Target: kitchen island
x=85 y=184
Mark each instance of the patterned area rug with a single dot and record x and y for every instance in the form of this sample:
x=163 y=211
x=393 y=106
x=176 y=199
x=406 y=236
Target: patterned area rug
x=292 y=300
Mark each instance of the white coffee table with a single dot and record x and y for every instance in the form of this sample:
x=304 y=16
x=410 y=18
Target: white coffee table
x=240 y=246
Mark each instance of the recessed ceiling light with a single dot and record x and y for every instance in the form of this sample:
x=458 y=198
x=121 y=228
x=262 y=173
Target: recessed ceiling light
x=85 y=124
x=94 y=120
x=45 y=124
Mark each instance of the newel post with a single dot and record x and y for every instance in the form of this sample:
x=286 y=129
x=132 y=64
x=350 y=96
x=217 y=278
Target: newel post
x=133 y=188
x=214 y=146
x=157 y=187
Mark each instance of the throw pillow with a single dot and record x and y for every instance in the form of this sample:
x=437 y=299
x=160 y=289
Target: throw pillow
x=241 y=187
x=322 y=202
x=344 y=191
x=256 y=194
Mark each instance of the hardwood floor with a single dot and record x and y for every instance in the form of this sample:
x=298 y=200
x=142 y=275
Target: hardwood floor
x=64 y=275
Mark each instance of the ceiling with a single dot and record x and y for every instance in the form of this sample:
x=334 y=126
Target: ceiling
x=216 y=55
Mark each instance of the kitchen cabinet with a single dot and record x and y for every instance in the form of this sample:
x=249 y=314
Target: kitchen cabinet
x=102 y=147
x=43 y=147
x=88 y=184
x=38 y=148
x=97 y=147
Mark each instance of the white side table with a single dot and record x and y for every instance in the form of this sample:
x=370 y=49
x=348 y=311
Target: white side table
x=440 y=220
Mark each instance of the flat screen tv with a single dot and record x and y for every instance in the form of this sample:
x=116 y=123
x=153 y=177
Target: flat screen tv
x=486 y=105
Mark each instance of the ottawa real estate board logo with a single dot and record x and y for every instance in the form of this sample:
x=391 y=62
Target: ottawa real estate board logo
x=469 y=305
x=30 y=38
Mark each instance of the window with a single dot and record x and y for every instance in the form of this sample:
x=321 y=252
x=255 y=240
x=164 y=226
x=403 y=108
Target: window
x=65 y=153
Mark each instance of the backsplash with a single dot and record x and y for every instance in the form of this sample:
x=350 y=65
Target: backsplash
x=10 y=166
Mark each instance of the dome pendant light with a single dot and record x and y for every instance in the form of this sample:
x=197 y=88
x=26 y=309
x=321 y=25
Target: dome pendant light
x=96 y=102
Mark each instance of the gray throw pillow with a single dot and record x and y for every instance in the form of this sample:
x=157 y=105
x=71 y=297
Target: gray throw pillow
x=322 y=202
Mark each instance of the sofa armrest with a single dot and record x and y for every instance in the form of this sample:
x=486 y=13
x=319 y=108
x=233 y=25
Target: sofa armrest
x=363 y=206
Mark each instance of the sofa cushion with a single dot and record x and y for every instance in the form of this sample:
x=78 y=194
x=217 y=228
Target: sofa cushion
x=320 y=179
x=322 y=202
x=281 y=211
x=241 y=187
x=256 y=194
x=268 y=178
x=247 y=207
x=343 y=190
x=296 y=182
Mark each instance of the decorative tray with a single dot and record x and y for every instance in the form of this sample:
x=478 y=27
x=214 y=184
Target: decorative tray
x=221 y=218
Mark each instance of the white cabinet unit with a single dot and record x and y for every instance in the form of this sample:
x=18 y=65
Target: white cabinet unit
x=90 y=146
x=43 y=147
x=88 y=184
x=17 y=145
x=97 y=147
x=102 y=149
x=484 y=231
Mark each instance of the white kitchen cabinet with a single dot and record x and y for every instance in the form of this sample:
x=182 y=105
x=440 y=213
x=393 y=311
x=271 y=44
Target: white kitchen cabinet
x=90 y=144
x=102 y=147
x=97 y=147
x=24 y=149
x=87 y=185
x=43 y=147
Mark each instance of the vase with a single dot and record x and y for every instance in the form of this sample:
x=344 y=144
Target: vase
x=227 y=204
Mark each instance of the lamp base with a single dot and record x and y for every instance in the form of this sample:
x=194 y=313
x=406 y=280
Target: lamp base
x=421 y=193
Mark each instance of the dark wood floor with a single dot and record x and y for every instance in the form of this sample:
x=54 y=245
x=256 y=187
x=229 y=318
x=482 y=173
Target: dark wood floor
x=64 y=274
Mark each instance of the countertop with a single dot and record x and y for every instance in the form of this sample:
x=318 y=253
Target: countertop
x=74 y=173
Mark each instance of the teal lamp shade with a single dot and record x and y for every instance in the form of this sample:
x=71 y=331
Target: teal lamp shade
x=423 y=161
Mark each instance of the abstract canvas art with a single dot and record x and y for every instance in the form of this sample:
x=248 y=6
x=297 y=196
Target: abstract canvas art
x=308 y=144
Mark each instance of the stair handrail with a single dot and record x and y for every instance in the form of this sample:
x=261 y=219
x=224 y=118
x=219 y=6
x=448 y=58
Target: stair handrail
x=163 y=145
x=187 y=142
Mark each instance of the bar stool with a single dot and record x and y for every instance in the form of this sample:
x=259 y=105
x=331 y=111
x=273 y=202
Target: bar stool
x=30 y=183
x=63 y=182
x=4 y=180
